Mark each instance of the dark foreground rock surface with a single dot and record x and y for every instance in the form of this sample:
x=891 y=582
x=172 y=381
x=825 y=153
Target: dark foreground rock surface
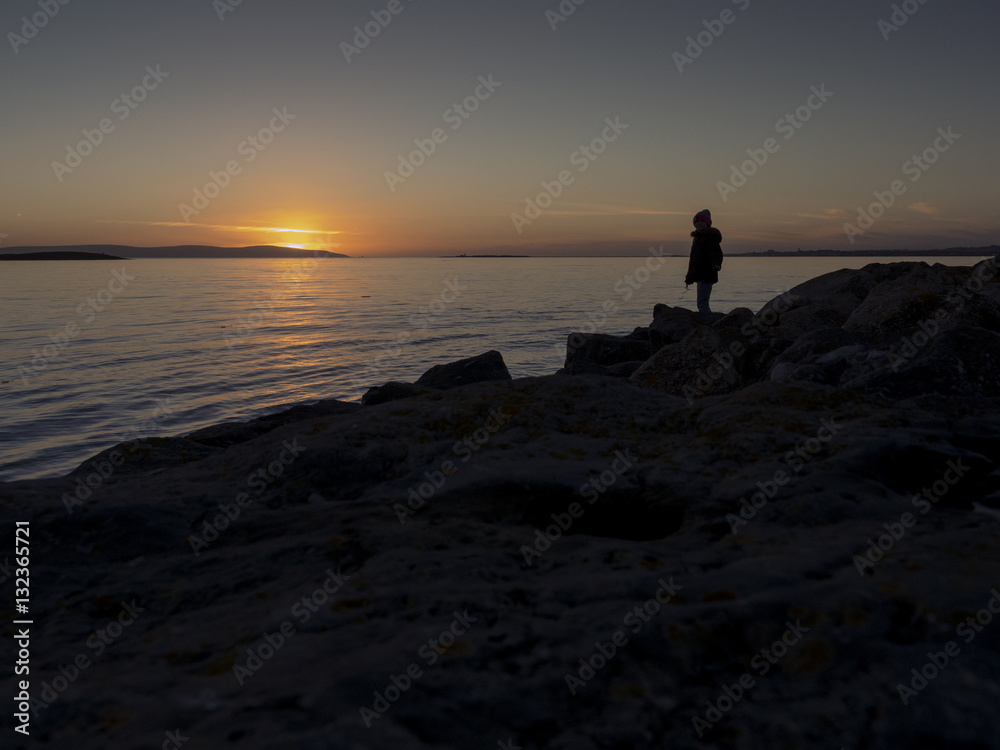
x=799 y=559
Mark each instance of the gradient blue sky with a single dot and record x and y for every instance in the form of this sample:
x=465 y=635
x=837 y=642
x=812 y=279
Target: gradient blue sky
x=324 y=175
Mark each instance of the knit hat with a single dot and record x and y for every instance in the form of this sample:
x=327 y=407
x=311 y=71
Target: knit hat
x=705 y=216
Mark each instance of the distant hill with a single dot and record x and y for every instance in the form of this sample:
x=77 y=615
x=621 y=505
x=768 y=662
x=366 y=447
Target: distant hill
x=179 y=251
x=57 y=255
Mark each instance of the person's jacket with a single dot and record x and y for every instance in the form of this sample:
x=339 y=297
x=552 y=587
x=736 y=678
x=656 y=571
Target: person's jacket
x=706 y=254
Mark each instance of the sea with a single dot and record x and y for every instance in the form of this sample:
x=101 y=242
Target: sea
x=95 y=353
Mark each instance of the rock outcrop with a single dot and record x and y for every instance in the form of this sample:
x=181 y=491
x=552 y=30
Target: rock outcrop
x=896 y=329
x=479 y=369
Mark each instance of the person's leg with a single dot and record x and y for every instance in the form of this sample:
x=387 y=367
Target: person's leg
x=704 y=292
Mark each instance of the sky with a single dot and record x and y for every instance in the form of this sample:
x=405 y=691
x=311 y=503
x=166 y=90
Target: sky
x=429 y=127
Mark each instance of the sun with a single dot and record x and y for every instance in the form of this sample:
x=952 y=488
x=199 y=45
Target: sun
x=301 y=239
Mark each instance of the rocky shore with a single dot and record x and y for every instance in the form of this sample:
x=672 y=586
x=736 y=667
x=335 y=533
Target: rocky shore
x=767 y=530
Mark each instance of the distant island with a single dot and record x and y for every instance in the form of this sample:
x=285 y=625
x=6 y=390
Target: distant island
x=951 y=251
x=463 y=255
x=125 y=252
x=60 y=255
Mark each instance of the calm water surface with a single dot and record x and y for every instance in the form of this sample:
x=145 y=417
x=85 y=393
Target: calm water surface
x=189 y=343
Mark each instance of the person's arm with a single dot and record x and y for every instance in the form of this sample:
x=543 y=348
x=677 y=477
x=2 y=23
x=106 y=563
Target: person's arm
x=690 y=271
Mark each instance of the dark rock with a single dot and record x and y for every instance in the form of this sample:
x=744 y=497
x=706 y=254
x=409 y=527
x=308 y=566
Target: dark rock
x=605 y=349
x=737 y=320
x=902 y=304
x=956 y=361
x=977 y=310
x=818 y=357
x=826 y=301
x=478 y=369
x=693 y=368
x=671 y=325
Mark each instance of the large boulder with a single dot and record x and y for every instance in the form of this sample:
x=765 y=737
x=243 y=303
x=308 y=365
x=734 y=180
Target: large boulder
x=671 y=325
x=484 y=367
x=900 y=305
x=697 y=366
x=478 y=369
x=827 y=301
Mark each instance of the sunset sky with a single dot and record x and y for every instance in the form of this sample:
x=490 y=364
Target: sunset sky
x=341 y=115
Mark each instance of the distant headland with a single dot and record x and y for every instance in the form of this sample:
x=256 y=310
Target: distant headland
x=59 y=255
x=125 y=252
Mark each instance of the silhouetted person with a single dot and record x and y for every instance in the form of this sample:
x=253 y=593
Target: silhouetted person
x=706 y=259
